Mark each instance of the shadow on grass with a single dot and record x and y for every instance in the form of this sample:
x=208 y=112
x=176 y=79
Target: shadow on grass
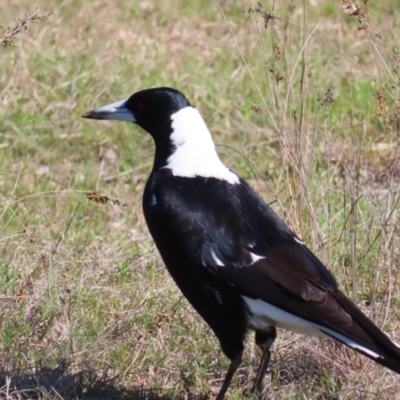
x=87 y=384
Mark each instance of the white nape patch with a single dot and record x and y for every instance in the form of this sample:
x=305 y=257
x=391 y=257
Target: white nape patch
x=255 y=258
x=298 y=240
x=265 y=314
x=195 y=153
x=216 y=259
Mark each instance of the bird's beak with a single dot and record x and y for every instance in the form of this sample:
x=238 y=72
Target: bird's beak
x=116 y=111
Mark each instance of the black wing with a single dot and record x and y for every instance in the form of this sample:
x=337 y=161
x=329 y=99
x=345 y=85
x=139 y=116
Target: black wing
x=229 y=230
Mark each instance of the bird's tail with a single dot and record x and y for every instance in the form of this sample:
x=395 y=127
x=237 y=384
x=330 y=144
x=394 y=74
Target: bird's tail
x=365 y=337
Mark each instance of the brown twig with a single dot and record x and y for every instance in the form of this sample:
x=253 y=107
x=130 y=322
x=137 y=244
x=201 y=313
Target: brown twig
x=9 y=34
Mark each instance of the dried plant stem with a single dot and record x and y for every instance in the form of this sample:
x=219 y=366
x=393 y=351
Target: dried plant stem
x=9 y=34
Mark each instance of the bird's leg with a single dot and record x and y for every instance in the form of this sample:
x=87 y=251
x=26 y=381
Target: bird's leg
x=234 y=365
x=264 y=340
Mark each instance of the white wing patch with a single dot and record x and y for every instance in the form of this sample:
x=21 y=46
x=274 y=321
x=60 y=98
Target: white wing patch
x=351 y=343
x=298 y=240
x=216 y=259
x=265 y=314
x=255 y=258
x=195 y=153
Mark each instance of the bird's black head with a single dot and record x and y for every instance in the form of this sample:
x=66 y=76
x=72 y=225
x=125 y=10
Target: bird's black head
x=151 y=109
x=183 y=142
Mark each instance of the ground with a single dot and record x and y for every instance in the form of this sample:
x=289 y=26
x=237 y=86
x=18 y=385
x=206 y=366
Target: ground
x=304 y=103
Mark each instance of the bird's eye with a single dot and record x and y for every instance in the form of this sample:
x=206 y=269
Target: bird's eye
x=140 y=106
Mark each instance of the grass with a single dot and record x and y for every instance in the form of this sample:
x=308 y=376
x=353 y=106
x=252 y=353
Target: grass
x=87 y=308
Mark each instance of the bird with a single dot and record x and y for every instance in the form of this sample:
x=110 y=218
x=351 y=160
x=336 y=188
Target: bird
x=236 y=262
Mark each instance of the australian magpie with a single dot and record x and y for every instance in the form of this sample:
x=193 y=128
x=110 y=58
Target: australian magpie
x=235 y=261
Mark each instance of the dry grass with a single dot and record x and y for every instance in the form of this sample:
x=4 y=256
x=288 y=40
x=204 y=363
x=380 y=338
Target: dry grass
x=9 y=34
x=87 y=309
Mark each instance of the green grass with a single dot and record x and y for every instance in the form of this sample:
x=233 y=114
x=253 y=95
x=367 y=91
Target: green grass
x=87 y=308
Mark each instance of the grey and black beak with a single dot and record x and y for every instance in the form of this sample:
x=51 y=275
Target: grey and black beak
x=114 y=111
